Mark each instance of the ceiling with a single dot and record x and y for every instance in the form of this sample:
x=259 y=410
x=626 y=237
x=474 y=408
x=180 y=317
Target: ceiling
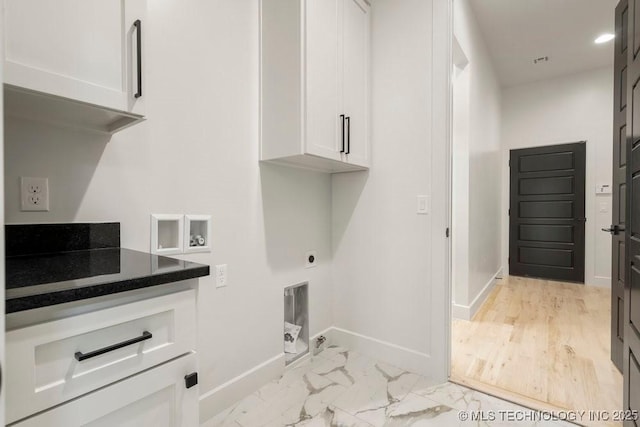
x=518 y=31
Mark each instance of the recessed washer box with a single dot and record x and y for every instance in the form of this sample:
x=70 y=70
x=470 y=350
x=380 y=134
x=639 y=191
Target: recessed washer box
x=197 y=232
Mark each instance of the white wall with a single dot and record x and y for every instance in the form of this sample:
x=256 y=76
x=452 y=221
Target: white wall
x=197 y=153
x=476 y=170
x=383 y=293
x=562 y=110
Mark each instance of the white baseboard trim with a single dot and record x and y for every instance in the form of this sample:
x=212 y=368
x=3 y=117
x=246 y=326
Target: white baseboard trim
x=222 y=397
x=460 y=311
x=402 y=357
x=600 y=282
x=466 y=312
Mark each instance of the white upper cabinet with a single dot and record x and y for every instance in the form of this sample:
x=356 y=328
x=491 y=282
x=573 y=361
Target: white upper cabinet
x=315 y=84
x=356 y=79
x=88 y=52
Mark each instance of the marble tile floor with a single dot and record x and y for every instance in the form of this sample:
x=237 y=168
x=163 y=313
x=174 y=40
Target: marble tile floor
x=340 y=388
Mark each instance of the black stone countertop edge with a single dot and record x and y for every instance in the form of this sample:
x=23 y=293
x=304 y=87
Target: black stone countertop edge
x=60 y=297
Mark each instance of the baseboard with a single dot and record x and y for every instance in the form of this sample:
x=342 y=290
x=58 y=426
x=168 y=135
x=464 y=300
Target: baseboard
x=466 y=312
x=600 y=282
x=402 y=357
x=459 y=311
x=224 y=396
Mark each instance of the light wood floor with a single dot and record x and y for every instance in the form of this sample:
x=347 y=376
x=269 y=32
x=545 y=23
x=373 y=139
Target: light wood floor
x=547 y=341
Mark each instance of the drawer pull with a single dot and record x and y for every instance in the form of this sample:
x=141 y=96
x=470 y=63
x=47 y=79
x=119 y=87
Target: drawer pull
x=84 y=356
x=191 y=380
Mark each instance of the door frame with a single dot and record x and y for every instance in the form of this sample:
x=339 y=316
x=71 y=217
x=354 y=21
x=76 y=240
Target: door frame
x=2 y=278
x=441 y=191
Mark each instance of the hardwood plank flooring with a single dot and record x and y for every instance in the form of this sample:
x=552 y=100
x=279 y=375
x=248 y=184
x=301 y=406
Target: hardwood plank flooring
x=545 y=341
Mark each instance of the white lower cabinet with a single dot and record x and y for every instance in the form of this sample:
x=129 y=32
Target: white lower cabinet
x=122 y=365
x=158 y=397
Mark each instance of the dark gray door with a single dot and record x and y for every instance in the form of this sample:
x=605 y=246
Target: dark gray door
x=631 y=350
x=546 y=215
x=619 y=189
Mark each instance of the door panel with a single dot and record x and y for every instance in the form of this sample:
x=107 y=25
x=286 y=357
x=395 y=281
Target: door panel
x=546 y=162
x=53 y=47
x=322 y=74
x=619 y=183
x=546 y=236
x=546 y=233
x=559 y=209
x=356 y=79
x=631 y=345
x=531 y=186
x=546 y=257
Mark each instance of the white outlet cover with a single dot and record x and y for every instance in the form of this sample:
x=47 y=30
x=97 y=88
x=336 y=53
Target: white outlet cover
x=34 y=194
x=311 y=259
x=221 y=276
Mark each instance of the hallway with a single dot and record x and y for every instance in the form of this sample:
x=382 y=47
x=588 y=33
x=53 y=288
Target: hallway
x=543 y=340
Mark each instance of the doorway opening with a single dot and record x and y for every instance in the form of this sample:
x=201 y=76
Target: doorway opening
x=532 y=158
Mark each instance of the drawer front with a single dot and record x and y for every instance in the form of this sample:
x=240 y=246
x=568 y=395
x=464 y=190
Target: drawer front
x=53 y=362
x=157 y=398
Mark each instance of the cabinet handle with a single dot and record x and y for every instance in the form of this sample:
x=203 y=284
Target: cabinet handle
x=191 y=380
x=348 y=135
x=138 y=25
x=84 y=356
x=342 y=120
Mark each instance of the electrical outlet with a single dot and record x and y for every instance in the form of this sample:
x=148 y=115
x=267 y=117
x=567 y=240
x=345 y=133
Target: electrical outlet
x=311 y=259
x=221 y=275
x=34 y=194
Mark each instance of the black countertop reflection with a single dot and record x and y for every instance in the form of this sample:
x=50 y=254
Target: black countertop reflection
x=43 y=279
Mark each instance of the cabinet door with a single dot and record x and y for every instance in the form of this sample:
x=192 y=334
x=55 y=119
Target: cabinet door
x=323 y=68
x=157 y=397
x=355 y=43
x=84 y=50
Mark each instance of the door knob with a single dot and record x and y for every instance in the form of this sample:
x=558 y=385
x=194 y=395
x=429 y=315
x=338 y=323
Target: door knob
x=614 y=230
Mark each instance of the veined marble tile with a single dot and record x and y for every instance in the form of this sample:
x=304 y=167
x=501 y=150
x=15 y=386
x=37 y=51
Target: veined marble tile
x=227 y=418
x=331 y=351
x=290 y=377
x=285 y=400
x=341 y=388
x=419 y=411
x=376 y=386
x=330 y=417
x=463 y=398
x=294 y=403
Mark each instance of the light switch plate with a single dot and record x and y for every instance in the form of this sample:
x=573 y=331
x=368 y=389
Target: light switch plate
x=424 y=205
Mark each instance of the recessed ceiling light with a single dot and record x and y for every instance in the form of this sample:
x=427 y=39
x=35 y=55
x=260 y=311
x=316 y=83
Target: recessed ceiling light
x=604 y=38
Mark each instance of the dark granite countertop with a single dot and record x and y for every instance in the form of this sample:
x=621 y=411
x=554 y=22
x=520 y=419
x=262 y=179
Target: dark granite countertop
x=35 y=280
